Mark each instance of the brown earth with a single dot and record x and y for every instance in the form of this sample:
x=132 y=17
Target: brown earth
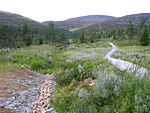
x=3 y=110
x=6 y=84
x=5 y=94
x=18 y=74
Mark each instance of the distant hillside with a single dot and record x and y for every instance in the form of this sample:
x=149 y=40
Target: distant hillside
x=80 y=21
x=16 y=20
x=116 y=23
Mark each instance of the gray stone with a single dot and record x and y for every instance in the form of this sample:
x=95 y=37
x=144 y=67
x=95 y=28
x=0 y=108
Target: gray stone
x=24 y=103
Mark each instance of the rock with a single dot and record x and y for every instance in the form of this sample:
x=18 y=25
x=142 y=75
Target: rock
x=88 y=80
x=35 y=99
x=23 y=103
x=45 y=92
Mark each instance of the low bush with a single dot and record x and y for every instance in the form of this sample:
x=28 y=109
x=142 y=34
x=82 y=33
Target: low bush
x=78 y=70
x=34 y=61
x=111 y=93
x=37 y=64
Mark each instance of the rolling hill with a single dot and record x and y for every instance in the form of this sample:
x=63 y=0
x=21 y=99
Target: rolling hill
x=15 y=20
x=116 y=23
x=90 y=23
x=80 y=21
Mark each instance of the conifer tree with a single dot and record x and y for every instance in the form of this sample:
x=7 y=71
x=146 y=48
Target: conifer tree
x=63 y=39
x=51 y=32
x=3 y=36
x=25 y=29
x=91 y=39
x=25 y=35
x=144 y=37
x=130 y=30
x=82 y=38
x=140 y=27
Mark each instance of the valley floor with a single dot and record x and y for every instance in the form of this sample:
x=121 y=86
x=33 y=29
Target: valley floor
x=86 y=82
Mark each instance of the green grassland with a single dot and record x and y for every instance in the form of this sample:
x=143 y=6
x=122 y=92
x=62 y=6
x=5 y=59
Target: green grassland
x=113 y=90
x=136 y=54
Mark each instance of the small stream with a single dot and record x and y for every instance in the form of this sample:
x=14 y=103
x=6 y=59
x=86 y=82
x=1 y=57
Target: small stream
x=125 y=65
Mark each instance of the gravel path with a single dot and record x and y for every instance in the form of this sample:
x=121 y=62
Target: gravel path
x=125 y=65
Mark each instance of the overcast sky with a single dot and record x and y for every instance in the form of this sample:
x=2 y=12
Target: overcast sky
x=43 y=10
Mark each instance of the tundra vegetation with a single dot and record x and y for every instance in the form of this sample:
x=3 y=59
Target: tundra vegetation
x=87 y=83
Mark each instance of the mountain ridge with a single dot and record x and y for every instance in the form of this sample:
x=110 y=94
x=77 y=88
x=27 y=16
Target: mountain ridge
x=117 y=23
x=16 y=20
x=71 y=23
x=88 y=23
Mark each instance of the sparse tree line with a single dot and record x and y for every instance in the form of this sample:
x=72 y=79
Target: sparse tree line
x=140 y=31
x=14 y=37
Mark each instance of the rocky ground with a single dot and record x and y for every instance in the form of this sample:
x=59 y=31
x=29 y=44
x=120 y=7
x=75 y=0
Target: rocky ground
x=39 y=88
x=42 y=104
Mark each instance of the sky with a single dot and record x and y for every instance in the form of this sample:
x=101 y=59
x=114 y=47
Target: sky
x=57 y=10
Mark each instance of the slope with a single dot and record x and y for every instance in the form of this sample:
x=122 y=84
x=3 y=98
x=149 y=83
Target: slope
x=15 y=20
x=80 y=21
x=116 y=23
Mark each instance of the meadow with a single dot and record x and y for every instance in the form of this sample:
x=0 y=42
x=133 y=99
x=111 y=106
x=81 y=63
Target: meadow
x=87 y=83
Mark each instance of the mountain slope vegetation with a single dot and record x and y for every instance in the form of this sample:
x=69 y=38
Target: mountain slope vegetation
x=86 y=82
x=15 y=20
x=116 y=23
x=80 y=21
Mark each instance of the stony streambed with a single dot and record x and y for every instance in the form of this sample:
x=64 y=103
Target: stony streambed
x=42 y=104
x=27 y=101
x=125 y=65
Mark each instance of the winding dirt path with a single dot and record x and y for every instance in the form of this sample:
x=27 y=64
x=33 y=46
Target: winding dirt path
x=125 y=65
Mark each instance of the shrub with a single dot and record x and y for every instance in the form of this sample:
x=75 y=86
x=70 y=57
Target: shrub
x=50 y=60
x=83 y=94
x=10 y=58
x=63 y=101
x=110 y=93
x=77 y=70
x=66 y=78
x=108 y=85
x=37 y=64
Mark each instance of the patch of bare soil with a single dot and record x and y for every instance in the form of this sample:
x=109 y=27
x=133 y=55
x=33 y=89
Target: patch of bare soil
x=6 y=84
x=17 y=74
x=3 y=110
x=6 y=95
